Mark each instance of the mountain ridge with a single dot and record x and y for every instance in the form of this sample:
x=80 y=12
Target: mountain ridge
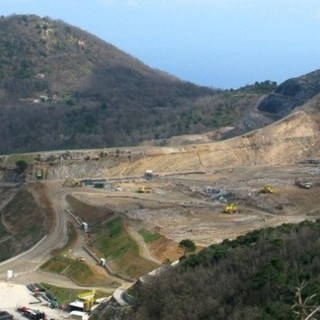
x=63 y=88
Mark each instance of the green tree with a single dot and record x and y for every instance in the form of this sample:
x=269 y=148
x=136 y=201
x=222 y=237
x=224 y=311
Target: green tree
x=187 y=246
x=21 y=166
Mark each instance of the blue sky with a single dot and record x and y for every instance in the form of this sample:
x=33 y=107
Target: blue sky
x=217 y=43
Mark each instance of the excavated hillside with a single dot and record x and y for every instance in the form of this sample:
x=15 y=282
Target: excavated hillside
x=187 y=194
x=291 y=140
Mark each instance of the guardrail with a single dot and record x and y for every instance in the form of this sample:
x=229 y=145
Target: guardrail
x=106 y=267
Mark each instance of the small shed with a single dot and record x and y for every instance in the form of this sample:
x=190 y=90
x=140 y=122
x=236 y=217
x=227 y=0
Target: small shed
x=78 y=315
x=76 y=306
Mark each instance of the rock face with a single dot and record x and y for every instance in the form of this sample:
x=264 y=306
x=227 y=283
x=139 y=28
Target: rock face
x=291 y=93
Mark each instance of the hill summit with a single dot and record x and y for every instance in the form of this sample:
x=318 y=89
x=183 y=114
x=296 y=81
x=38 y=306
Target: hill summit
x=41 y=56
x=62 y=87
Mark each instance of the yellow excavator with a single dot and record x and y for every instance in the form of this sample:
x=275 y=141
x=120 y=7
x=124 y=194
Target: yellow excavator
x=230 y=208
x=266 y=189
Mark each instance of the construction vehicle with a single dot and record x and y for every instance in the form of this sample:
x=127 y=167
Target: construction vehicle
x=303 y=183
x=88 y=299
x=148 y=174
x=230 y=208
x=71 y=183
x=81 y=259
x=144 y=189
x=41 y=173
x=266 y=189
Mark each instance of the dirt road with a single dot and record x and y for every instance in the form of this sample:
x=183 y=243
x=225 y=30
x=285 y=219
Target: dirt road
x=30 y=260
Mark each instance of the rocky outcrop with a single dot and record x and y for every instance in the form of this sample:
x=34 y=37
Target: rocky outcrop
x=290 y=94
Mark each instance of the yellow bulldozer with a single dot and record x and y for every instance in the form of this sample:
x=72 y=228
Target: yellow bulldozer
x=144 y=189
x=266 y=189
x=230 y=208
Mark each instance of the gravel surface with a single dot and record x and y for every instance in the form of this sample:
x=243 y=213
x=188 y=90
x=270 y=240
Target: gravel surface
x=13 y=296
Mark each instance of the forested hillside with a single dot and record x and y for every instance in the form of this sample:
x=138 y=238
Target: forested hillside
x=63 y=88
x=256 y=276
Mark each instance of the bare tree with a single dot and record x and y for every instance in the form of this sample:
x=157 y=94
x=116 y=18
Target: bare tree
x=304 y=308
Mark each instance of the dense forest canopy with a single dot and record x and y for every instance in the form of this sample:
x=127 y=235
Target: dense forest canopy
x=256 y=276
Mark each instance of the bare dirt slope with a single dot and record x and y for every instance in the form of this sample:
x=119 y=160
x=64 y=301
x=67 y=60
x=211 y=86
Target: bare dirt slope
x=288 y=141
x=183 y=203
x=193 y=183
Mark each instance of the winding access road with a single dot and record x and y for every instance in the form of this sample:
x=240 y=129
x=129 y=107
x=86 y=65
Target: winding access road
x=29 y=261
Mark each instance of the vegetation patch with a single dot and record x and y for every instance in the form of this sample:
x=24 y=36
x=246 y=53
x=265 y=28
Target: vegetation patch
x=76 y=270
x=57 y=264
x=132 y=266
x=115 y=244
x=267 y=274
x=146 y=105
x=26 y=157
x=79 y=272
x=149 y=236
x=91 y=214
x=113 y=240
x=65 y=295
x=25 y=221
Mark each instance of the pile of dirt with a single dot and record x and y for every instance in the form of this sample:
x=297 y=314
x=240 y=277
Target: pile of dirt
x=163 y=249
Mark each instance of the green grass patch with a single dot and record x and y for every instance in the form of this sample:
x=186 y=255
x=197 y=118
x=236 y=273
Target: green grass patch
x=149 y=236
x=79 y=272
x=65 y=295
x=57 y=264
x=27 y=157
x=114 y=227
x=113 y=242
x=76 y=270
x=132 y=265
